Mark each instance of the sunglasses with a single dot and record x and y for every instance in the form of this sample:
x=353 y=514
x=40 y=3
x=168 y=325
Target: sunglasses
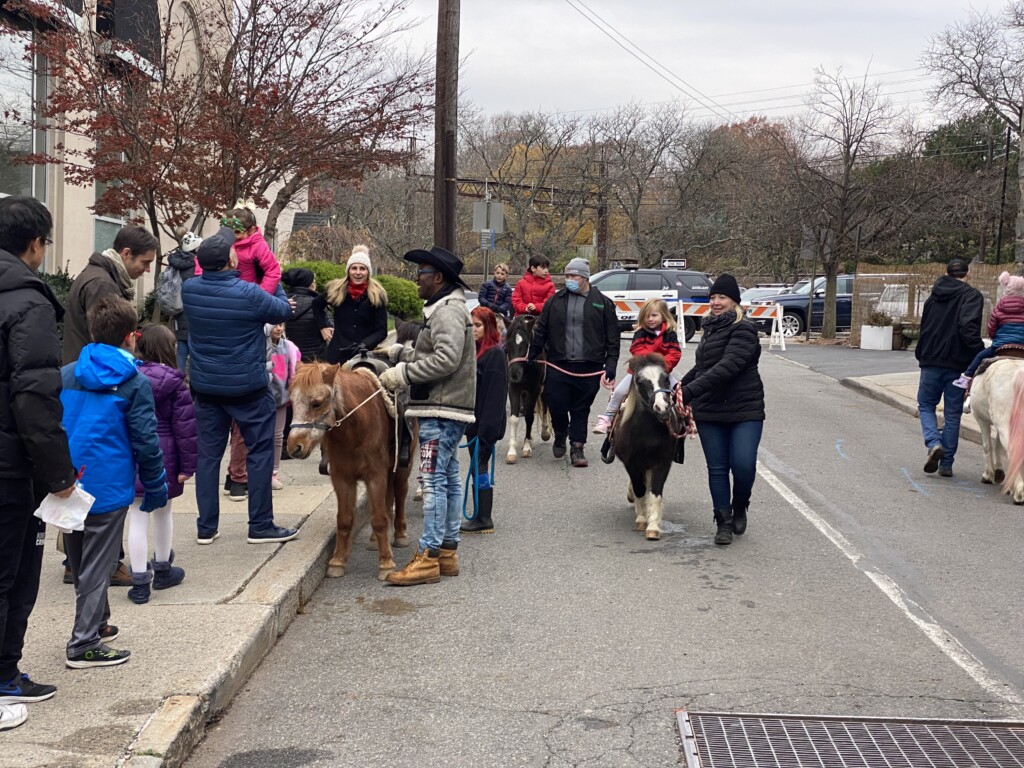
x=235 y=224
x=426 y=272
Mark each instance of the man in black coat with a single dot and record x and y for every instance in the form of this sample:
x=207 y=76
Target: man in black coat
x=950 y=338
x=33 y=443
x=580 y=331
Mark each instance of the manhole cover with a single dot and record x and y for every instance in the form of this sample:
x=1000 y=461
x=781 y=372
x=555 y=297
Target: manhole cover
x=725 y=740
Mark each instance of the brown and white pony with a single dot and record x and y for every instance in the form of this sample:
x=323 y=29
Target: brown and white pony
x=341 y=409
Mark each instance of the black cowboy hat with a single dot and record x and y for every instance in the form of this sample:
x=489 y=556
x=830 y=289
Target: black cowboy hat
x=446 y=262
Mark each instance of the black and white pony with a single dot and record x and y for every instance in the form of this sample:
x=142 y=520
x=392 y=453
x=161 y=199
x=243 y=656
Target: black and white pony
x=525 y=387
x=645 y=436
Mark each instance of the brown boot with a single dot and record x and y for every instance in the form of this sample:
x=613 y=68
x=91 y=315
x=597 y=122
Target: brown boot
x=449 y=559
x=424 y=568
x=121 y=577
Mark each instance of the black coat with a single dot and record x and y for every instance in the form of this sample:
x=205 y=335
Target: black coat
x=355 y=322
x=185 y=263
x=98 y=279
x=950 y=325
x=600 y=329
x=32 y=441
x=724 y=384
x=497 y=298
x=491 y=396
x=307 y=320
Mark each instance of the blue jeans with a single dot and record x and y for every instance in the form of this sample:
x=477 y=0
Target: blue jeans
x=979 y=358
x=182 y=354
x=256 y=422
x=935 y=384
x=442 y=485
x=730 y=447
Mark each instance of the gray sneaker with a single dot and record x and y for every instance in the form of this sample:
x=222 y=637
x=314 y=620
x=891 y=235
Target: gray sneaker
x=935 y=455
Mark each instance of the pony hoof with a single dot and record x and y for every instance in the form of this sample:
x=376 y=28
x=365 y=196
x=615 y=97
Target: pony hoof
x=401 y=542
x=510 y=459
x=640 y=525
x=545 y=436
x=335 y=571
x=527 y=453
x=999 y=477
x=986 y=480
x=653 y=535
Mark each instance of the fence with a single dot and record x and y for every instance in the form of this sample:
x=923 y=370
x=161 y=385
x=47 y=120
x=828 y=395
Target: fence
x=901 y=294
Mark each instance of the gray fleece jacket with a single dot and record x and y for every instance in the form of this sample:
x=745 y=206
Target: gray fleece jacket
x=441 y=369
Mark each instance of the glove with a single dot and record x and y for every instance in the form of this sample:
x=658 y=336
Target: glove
x=154 y=498
x=394 y=352
x=392 y=379
x=609 y=373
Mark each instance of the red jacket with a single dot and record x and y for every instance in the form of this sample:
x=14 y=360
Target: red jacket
x=663 y=342
x=531 y=290
x=1010 y=309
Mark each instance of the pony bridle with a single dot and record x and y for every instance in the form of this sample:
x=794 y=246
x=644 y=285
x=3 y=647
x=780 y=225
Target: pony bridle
x=328 y=427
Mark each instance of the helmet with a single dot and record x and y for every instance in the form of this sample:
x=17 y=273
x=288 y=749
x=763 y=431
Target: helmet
x=190 y=242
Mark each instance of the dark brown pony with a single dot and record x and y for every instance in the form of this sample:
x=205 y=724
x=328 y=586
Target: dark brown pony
x=341 y=409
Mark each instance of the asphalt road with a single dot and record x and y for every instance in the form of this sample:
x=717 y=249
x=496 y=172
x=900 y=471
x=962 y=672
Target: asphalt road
x=862 y=587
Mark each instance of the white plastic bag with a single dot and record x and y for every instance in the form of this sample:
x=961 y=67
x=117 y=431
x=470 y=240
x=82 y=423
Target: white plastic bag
x=67 y=514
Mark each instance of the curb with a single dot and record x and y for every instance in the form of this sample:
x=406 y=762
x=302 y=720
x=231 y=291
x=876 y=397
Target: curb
x=283 y=585
x=883 y=395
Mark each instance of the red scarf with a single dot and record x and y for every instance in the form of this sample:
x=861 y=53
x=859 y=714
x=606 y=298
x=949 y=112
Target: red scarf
x=355 y=292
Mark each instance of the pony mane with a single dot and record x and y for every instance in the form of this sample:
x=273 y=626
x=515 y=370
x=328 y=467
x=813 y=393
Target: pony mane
x=642 y=361
x=309 y=375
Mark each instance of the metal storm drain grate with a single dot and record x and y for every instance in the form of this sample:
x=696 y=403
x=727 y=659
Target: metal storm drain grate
x=725 y=740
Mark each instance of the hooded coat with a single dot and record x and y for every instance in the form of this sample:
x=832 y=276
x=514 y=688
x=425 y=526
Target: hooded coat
x=306 y=323
x=175 y=425
x=32 y=440
x=185 y=263
x=98 y=279
x=256 y=262
x=950 y=325
x=110 y=418
x=1006 y=323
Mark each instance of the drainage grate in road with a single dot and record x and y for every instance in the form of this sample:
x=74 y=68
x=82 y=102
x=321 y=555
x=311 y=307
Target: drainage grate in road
x=726 y=740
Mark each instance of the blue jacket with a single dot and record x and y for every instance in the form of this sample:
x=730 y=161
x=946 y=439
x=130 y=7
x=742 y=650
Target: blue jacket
x=110 y=419
x=227 y=345
x=1009 y=333
x=496 y=298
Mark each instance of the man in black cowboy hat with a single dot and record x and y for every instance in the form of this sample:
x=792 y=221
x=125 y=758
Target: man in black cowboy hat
x=440 y=373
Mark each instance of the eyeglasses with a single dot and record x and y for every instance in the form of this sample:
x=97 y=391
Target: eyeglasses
x=426 y=272
x=48 y=241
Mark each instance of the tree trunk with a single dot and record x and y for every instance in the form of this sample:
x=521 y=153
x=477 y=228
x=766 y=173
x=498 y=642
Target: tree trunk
x=154 y=224
x=828 y=322
x=284 y=196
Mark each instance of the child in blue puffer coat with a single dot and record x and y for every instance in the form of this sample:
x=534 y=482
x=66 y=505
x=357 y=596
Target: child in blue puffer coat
x=176 y=428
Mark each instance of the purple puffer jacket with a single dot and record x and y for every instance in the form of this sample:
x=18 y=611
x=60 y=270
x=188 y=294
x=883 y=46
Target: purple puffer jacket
x=175 y=424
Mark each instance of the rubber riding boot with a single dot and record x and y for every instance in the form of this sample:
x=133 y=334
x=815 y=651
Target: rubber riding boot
x=739 y=517
x=139 y=593
x=680 y=457
x=448 y=560
x=165 y=575
x=723 y=517
x=481 y=522
x=424 y=568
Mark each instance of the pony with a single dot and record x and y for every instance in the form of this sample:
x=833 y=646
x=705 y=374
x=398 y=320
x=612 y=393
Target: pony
x=525 y=387
x=644 y=437
x=347 y=411
x=997 y=398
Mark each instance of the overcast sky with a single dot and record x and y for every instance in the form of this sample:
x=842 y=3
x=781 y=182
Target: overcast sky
x=544 y=55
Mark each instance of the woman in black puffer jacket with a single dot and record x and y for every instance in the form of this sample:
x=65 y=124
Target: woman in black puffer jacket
x=727 y=396
x=308 y=327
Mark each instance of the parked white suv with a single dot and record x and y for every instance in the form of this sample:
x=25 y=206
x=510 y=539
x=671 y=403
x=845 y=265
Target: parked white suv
x=630 y=288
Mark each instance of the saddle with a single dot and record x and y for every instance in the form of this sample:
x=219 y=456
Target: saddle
x=368 y=361
x=1011 y=351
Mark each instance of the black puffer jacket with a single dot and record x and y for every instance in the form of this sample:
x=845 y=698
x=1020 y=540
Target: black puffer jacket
x=185 y=263
x=308 y=318
x=491 y=396
x=950 y=325
x=355 y=322
x=32 y=441
x=724 y=384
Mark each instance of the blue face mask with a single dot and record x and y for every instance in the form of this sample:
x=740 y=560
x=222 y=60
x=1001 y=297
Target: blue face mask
x=573 y=286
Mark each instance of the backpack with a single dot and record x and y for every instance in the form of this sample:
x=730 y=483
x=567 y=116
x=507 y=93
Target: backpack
x=168 y=292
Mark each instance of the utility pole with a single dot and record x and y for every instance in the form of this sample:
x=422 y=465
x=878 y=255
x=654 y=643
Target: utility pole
x=1002 y=199
x=602 y=215
x=446 y=105
x=410 y=193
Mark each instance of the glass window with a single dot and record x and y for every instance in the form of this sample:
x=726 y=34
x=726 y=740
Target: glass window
x=106 y=227
x=650 y=281
x=613 y=281
x=20 y=90
x=695 y=283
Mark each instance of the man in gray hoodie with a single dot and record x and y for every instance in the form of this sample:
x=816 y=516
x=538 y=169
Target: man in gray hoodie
x=440 y=373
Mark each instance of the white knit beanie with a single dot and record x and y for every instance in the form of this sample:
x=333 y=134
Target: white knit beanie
x=360 y=255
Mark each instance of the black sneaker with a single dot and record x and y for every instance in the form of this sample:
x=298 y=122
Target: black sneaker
x=21 y=690
x=945 y=471
x=275 y=534
x=558 y=446
x=227 y=484
x=239 y=491
x=108 y=632
x=101 y=656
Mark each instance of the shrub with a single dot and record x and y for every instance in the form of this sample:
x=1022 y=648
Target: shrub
x=60 y=282
x=403 y=300
x=878 y=318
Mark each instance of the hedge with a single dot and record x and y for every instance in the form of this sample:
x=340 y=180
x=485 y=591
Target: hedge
x=403 y=299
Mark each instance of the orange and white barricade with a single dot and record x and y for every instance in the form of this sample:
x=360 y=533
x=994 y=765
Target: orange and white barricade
x=756 y=312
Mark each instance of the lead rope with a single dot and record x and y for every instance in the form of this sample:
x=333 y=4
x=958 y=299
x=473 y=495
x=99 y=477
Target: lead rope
x=473 y=444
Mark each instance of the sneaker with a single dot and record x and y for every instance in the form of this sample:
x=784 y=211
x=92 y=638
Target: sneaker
x=935 y=455
x=604 y=423
x=12 y=715
x=239 y=491
x=275 y=534
x=108 y=632
x=207 y=538
x=964 y=382
x=227 y=484
x=576 y=456
x=558 y=446
x=101 y=656
x=21 y=690
x=275 y=483
x=945 y=471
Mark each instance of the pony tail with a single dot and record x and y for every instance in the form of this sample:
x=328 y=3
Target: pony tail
x=1015 y=451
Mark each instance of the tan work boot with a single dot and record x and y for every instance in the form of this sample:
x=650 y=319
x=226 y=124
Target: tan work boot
x=449 y=561
x=424 y=568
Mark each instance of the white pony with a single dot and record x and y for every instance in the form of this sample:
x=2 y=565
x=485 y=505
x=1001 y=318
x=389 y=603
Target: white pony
x=997 y=399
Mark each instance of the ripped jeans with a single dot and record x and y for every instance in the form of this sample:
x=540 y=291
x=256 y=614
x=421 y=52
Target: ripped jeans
x=442 y=484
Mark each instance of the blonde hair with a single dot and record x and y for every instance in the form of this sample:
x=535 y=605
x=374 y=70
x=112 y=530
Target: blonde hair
x=740 y=314
x=659 y=306
x=500 y=265
x=337 y=292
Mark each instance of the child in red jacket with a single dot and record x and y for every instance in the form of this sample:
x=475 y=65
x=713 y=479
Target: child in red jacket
x=655 y=333
x=534 y=288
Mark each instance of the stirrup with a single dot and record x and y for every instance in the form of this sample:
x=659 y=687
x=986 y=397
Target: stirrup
x=608 y=451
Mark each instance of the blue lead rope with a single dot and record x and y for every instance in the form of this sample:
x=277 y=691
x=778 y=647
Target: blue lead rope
x=473 y=444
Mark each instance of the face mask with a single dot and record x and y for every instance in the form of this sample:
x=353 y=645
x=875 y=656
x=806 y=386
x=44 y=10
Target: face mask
x=573 y=286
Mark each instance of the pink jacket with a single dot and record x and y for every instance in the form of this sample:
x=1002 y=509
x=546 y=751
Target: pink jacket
x=253 y=250
x=1010 y=309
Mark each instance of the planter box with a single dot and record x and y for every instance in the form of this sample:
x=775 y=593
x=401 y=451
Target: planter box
x=876 y=337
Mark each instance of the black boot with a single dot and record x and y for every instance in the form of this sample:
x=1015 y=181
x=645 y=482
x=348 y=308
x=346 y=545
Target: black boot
x=723 y=517
x=739 y=517
x=481 y=522
x=404 y=445
x=680 y=457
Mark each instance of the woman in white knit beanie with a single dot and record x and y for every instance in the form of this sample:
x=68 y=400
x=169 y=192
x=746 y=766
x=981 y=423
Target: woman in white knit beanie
x=360 y=306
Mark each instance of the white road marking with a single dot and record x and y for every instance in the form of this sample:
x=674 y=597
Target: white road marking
x=942 y=639
x=791 y=362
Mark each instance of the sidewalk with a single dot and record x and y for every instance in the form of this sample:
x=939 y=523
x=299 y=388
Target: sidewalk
x=192 y=646
x=900 y=391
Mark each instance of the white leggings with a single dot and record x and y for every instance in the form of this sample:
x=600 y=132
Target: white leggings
x=138 y=535
x=620 y=392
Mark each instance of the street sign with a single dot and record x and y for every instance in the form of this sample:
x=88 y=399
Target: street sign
x=488 y=215
x=673 y=263
x=487 y=240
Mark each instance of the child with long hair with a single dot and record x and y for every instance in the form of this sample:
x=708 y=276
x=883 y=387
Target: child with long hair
x=282 y=361
x=176 y=429
x=489 y=426
x=655 y=332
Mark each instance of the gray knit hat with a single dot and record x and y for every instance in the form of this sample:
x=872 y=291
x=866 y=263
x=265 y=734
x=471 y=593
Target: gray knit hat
x=579 y=267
